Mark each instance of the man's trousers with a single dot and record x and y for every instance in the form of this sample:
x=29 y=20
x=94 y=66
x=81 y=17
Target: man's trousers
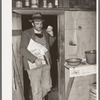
x=40 y=81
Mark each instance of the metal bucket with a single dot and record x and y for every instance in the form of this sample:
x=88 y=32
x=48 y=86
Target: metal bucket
x=90 y=56
x=93 y=92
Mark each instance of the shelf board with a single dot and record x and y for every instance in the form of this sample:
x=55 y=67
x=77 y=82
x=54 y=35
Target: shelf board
x=51 y=11
x=80 y=9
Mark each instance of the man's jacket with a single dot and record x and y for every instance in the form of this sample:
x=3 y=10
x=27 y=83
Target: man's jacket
x=25 y=39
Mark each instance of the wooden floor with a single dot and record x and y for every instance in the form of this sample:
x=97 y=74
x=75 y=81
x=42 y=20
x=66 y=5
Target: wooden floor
x=53 y=94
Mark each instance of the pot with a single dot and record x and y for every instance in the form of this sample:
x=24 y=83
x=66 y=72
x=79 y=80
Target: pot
x=90 y=56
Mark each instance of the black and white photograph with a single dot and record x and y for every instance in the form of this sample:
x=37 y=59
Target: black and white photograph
x=53 y=50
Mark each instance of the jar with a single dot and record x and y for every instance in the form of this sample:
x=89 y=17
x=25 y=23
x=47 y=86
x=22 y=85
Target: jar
x=27 y=3
x=18 y=4
x=50 y=5
x=90 y=56
x=34 y=3
x=56 y=3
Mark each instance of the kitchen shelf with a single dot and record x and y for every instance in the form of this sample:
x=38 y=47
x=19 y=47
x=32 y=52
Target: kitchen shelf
x=81 y=70
x=51 y=11
x=79 y=9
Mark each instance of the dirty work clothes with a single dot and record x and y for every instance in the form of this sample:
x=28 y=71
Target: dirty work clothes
x=40 y=79
x=40 y=82
x=25 y=38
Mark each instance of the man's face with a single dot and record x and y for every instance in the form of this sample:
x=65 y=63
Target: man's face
x=38 y=24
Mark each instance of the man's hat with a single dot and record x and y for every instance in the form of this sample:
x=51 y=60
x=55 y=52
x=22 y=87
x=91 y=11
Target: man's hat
x=37 y=16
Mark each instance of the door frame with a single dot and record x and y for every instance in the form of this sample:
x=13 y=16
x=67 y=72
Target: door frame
x=61 y=50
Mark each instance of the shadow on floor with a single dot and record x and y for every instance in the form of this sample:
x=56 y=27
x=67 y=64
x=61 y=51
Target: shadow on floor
x=53 y=94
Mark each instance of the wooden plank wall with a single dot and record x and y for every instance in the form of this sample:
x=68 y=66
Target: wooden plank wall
x=17 y=69
x=16 y=22
x=18 y=85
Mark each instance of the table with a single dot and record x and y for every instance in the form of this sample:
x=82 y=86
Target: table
x=75 y=71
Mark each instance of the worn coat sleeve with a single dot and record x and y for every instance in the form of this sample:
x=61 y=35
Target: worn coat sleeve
x=23 y=50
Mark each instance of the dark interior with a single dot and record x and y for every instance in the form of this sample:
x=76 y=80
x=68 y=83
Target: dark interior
x=49 y=20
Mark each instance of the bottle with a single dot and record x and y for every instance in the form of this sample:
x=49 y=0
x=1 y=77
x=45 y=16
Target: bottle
x=34 y=3
x=56 y=3
x=27 y=3
x=44 y=3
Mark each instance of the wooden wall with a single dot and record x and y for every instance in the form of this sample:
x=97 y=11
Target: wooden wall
x=16 y=21
x=18 y=86
x=18 y=91
x=84 y=24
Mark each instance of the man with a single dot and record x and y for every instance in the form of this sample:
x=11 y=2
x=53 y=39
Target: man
x=38 y=68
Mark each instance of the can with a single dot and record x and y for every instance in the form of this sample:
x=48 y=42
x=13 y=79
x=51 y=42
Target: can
x=90 y=56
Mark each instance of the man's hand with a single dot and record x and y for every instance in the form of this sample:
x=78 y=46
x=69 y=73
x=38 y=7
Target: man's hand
x=50 y=30
x=38 y=62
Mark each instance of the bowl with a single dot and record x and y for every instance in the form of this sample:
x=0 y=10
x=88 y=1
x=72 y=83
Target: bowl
x=74 y=61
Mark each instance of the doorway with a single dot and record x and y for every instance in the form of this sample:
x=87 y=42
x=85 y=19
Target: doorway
x=52 y=21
